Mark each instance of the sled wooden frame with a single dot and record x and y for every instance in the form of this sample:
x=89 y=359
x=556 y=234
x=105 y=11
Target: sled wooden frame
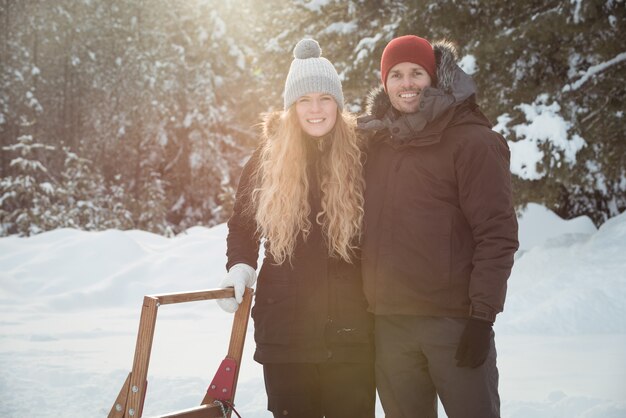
x=129 y=402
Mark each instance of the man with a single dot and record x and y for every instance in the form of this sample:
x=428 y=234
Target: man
x=440 y=234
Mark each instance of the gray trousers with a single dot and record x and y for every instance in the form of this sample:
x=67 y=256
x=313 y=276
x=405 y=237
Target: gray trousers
x=415 y=363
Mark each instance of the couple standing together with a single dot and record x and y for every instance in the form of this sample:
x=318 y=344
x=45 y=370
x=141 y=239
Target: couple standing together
x=388 y=241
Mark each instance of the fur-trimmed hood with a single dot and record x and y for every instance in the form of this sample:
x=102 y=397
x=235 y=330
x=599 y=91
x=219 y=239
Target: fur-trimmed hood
x=454 y=87
x=269 y=124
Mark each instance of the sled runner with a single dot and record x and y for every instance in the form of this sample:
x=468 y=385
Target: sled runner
x=220 y=395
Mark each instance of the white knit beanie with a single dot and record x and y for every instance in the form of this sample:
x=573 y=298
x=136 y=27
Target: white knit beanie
x=311 y=73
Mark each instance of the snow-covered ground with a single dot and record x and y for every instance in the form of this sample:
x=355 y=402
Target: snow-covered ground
x=70 y=304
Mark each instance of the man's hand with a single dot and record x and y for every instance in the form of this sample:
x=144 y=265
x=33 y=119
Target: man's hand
x=239 y=277
x=475 y=343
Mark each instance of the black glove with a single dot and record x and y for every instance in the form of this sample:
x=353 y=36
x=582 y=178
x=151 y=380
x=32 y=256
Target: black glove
x=475 y=343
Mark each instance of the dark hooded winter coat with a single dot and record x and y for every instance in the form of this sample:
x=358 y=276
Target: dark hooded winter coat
x=310 y=310
x=440 y=228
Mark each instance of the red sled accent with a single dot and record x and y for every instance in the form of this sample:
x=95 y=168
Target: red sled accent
x=221 y=387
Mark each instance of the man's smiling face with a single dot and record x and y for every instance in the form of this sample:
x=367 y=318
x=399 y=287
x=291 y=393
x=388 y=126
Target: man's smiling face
x=405 y=82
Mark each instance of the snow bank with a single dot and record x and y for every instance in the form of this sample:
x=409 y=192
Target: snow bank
x=70 y=304
x=537 y=224
x=572 y=282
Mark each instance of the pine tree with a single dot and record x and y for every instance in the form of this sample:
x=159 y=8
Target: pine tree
x=152 y=207
x=83 y=194
x=171 y=89
x=115 y=214
x=28 y=195
x=568 y=59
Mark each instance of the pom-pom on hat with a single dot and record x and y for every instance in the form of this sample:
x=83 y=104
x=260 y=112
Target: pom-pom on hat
x=408 y=48
x=311 y=73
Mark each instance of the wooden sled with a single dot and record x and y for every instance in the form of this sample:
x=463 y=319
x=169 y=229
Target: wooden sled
x=221 y=392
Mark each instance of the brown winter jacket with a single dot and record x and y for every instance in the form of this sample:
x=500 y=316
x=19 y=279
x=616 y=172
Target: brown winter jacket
x=440 y=228
x=312 y=310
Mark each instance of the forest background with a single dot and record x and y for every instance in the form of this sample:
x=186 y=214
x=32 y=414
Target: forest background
x=139 y=114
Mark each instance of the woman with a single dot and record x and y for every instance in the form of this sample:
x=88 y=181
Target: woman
x=302 y=191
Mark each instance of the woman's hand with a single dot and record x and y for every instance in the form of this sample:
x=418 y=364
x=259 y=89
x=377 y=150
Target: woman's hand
x=238 y=277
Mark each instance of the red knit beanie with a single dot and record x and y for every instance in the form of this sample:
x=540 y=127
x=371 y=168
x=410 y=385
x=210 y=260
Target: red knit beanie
x=408 y=48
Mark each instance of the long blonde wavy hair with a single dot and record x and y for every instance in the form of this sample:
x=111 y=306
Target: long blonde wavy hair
x=281 y=195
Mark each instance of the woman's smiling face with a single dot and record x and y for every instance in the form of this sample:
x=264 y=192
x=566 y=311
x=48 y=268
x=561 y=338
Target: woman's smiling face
x=317 y=113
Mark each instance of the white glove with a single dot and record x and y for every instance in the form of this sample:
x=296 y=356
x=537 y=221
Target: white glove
x=239 y=277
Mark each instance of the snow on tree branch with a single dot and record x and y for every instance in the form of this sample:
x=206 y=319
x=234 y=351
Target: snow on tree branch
x=593 y=70
x=544 y=126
